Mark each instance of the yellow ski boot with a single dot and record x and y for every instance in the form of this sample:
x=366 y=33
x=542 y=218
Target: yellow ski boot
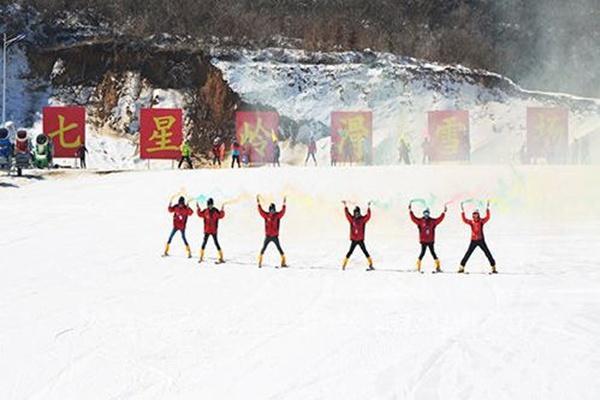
x=283 y=263
x=438 y=267
x=221 y=260
x=188 y=251
x=461 y=269
x=370 y=267
x=201 y=256
x=345 y=263
x=494 y=271
x=166 y=253
x=260 y=260
x=418 y=265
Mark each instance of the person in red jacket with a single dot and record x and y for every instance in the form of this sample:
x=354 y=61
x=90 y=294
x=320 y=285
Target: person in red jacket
x=211 y=216
x=272 y=219
x=312 y=150
x=357 y=233
x=477 y=237
x=180 y=212
x=216 y=151
x=427 y=227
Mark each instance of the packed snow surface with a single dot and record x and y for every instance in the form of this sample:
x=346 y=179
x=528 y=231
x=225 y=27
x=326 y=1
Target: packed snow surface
x=89 y=309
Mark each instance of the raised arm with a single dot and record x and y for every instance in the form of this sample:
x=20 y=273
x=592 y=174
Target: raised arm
x=487 y=215
x=464 y=218
x=440 y=218
x=368 y=215
x=413 y=217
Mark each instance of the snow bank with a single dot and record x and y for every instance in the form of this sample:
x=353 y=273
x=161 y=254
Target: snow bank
x=90 y=310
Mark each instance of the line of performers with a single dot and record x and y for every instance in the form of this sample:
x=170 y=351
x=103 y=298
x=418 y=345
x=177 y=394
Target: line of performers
x=358 y=221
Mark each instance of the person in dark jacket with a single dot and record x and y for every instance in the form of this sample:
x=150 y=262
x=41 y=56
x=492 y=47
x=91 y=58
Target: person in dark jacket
x=427 y=227
x=358 y=223
x=81 y=152
x=272 y=221
x=180 y=212
x=211 y=216
x=477 y=238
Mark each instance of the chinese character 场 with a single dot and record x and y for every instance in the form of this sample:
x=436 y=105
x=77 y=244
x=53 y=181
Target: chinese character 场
x=161 y=136
x=449 y=134
x=62 y=130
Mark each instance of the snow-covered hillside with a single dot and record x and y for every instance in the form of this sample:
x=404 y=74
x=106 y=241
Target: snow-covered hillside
x=90 y=310
x=306 y=86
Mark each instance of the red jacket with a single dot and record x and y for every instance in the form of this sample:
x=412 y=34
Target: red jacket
x=427 y=227
x=211 y=219
x=357 y=225
x=271 y=221
x=180 y=215
x=477 y=226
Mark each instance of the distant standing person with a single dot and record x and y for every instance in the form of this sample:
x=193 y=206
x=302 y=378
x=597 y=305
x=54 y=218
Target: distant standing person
x=186 y=153
x=312 y=150
x=426 y=146
x=216 y=150
x=180 y=212
x=348 y=150
x=81 y=154
x=276 y=154
x=333 y=153
x=404 y=152
x=272 y=220
x=235 y=154
x=477 y=237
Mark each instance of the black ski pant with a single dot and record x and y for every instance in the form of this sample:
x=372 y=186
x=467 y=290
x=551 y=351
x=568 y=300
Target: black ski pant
x=217 y=160
x=186 y=159
x=215 y=239
x=359 y=243
x=82 y=163
x=235 y=159
x=275 y=240
x=472 y=246
x=174 y=231
x=309 y=156
x=424 y=247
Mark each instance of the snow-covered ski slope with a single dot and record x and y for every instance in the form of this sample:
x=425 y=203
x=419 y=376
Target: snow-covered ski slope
x=89 y=309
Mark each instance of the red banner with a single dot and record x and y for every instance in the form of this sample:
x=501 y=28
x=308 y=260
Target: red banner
x=352 y=136
x=161 y=133
x=448 y=136
x=256 y=132
x=65 y=126
x=548 y=133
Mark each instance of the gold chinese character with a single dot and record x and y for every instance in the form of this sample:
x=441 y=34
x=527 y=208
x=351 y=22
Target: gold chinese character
x=255 y=135
x=449 y=134
x=62 y=130
x=161 y=136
